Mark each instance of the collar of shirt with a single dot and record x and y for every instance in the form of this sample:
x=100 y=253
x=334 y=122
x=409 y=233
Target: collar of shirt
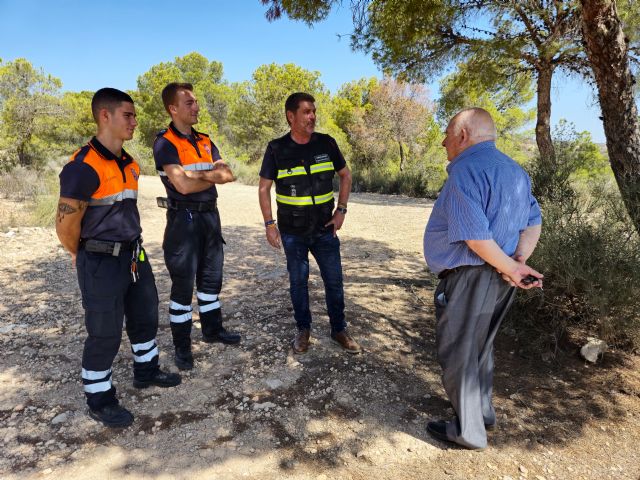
x=486 y=145
x=106 y=153
x=194 y=133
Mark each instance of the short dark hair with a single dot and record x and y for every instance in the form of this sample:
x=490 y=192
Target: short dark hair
x=170 y=91
x=109 y=98
x=293 y=102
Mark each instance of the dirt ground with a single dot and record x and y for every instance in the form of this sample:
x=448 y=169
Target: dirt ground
x=257 y=411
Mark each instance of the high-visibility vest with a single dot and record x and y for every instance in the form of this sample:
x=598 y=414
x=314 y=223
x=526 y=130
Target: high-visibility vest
x=304 y=182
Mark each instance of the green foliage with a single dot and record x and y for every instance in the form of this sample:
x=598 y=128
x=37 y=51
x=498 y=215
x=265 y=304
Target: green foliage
x=578 y=159
x=29 y=105
x=193 y=68
x=423 y=181
x=79 y=125
x=589 y=252
x=590 y=255
x=504 y=98
x=258 y=115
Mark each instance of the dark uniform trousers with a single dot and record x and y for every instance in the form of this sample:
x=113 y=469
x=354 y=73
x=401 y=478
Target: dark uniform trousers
x=193 y=249
x=470 y=306
x=108 y=296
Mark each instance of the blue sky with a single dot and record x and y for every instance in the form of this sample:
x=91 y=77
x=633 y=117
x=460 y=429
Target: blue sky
x=90 y=44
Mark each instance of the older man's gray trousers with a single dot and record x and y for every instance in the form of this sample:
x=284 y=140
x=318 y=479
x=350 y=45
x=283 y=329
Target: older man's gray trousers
x=470 y=305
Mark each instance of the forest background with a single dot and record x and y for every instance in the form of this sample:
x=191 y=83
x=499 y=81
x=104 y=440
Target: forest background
x=390 y=130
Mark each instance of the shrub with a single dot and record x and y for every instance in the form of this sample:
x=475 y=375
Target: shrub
x=589 y=253
x=425 y=181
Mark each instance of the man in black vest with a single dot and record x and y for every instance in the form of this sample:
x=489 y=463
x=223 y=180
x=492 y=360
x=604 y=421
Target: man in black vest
x=302 y=163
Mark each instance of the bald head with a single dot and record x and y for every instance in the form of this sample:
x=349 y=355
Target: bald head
x=477 y=122
x=466 y=128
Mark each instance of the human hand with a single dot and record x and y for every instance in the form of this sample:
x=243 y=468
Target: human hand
x=523 y=276
x=273 y=237
x=337 y=220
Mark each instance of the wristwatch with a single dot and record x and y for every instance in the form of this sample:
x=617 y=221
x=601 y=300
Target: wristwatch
x=342 y=210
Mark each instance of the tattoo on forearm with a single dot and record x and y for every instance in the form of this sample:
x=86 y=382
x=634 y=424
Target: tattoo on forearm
x=65 y=209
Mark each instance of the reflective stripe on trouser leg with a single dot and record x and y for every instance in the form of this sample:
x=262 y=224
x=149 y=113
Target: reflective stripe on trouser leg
x=96 y=382
x=101 y=280
x=210 y=313
x=180 y=321
x=144 y=352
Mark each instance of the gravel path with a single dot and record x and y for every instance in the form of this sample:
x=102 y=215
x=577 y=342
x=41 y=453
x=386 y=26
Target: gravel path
x=256 y=411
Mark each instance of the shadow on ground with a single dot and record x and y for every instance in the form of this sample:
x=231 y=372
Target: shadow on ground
x=329 y=408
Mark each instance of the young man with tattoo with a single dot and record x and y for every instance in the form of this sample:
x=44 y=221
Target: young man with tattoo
x=99 y=224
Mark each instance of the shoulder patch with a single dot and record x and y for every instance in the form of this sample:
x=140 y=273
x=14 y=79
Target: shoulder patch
x=161 y=132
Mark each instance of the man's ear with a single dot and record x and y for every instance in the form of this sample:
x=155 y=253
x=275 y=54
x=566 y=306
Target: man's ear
x=173 y=109
x=103 y=115
x=290 y=116
x=464 y=135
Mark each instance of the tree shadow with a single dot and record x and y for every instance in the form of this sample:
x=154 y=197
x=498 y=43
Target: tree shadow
x=323 y=410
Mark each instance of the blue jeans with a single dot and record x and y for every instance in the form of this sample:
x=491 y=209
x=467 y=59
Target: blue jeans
x=325 y=248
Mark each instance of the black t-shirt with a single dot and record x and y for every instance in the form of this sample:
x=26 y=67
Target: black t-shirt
x=269 y=169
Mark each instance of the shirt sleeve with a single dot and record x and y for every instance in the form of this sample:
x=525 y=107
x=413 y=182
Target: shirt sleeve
x=535 y=215
x=336 y=156
x=165 y=153
x=79 y=181
x=465 y=212
x=268 y=169
x=215 y=153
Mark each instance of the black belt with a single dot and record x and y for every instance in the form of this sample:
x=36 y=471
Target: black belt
x=109 y=248
x=448 y=271
x=172 y=204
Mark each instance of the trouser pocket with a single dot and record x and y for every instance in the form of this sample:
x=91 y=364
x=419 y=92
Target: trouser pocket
x=101 y=316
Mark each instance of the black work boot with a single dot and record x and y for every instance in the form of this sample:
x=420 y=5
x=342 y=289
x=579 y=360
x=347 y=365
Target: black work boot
x=184 y=358
x=159 y=379
x=113 y=416
x=222 y=336
x=213 y=331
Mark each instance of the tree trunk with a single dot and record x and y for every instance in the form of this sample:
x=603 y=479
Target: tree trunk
x=543 y=123
x=401 y=155
x=607 y=51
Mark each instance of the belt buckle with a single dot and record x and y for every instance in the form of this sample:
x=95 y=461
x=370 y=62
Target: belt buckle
x=116 y=249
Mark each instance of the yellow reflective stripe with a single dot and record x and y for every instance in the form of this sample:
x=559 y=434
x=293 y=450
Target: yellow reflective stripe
x=322 y=167
x=327 y=197
x=293 y=200
x=291 y=172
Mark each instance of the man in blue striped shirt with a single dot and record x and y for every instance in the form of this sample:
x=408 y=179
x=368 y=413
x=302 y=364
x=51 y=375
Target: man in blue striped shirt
x=483 y=228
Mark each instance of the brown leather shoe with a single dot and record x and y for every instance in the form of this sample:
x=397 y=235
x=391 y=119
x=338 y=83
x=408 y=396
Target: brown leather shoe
x=346 y=342
x=301 y=342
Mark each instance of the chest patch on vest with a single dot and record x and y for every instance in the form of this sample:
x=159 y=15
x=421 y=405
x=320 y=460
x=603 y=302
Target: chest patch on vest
x=134 y=173
x=321 y=158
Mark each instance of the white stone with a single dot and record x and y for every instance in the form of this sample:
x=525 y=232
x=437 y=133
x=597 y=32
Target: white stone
x=592 y=349
x=63 y=417
x=273 y=383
